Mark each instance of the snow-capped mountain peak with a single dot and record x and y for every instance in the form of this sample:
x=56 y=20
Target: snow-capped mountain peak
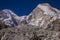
x=42 y=15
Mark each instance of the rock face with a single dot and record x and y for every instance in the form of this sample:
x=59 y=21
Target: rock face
x=43 y=23
x=28 y=32
x=43 y=15
x=8 y=17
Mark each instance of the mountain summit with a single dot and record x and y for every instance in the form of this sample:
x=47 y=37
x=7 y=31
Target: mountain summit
x=43 y=15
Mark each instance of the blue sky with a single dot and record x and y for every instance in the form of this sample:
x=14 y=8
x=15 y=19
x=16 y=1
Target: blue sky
x=24 y=7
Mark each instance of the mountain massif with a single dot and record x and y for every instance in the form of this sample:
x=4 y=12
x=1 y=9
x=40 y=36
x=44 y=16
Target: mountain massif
x=43 y=23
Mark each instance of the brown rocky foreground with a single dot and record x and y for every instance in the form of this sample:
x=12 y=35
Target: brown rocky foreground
x=28 y=32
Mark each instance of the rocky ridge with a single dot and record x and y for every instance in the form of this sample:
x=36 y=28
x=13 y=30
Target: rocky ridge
x=43 y=23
